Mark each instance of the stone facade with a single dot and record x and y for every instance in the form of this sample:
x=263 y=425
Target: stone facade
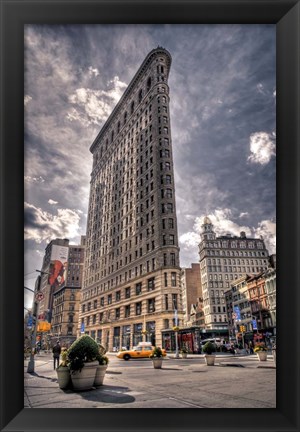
x=191 y=292
x=223 y=260
x=132 y=273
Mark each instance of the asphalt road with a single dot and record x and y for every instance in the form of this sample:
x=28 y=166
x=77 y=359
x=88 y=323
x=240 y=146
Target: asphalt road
x=234 y=382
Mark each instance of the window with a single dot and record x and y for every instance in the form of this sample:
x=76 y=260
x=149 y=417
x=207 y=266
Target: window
x=174 y=301
x=151 y=284
x=172 y=258
x=166 y=301
x=102 y=301
x=127 y=292
x=138 y=288
x=117 y=313
x=173 y=279
x=168 y=179
x=109 y=299
x=151 y=305
x=148 y=84
x=127 y=311
x=166 y=279
x=138 y=308
x=100 y=317
x=140 y=95
x=118 y=295
x=171 y=239
x=95 y=304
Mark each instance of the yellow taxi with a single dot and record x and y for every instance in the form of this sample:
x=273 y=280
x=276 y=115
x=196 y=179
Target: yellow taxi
x=143 y=350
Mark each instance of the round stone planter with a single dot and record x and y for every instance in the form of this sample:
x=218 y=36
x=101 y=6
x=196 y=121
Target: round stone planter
x=100 y=374
x=184 y=355
x=157 y=362
x=63 y=376
x=210 y=359
x=84 y=379
x=262 y=355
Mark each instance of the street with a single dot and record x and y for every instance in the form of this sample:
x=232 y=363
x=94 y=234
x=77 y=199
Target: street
x=234 y=382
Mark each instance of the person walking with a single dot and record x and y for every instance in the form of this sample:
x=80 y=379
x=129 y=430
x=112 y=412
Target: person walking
x=56 y=353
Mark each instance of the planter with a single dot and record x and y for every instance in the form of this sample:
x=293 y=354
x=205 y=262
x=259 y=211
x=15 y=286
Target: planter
x=63 y=376
x=100 y=374
x=274 y=355
x=84 y=379
x=157 y=362
x=184 y=355
x=210 y=359
x=262 y=355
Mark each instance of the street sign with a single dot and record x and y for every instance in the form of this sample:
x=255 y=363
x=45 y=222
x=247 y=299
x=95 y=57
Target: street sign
x=29 y=322
x=39 y=296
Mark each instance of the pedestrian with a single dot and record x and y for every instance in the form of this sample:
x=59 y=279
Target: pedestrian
x=56 y=353
x=251 y=347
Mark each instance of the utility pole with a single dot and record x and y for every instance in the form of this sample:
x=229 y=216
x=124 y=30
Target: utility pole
x=35 y=309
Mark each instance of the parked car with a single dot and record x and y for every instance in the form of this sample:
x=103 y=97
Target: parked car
x=143 y=350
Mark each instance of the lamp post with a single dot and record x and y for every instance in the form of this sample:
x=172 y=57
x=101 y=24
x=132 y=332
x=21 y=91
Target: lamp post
x=176 y=333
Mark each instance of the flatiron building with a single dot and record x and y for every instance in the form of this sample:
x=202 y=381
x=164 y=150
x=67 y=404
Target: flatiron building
x=131 y=289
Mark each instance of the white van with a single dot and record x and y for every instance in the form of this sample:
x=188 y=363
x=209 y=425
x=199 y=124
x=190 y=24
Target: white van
x=216 y=341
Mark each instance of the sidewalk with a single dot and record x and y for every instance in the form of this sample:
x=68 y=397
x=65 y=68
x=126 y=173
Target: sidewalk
x=181 y=383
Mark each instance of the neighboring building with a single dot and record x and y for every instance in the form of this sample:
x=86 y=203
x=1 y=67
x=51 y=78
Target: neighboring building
x=191 y=293
x=132 y=273
x=223 y=260
x=61 y=281
x=240 y=300
x=262 y=297
x=66 y=298
x=53 y=274
x=270 y=281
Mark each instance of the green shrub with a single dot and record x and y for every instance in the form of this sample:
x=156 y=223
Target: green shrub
x=102 y=359
x=209 y=348
x=83 y=350
x=156 y=353
x=64 y=358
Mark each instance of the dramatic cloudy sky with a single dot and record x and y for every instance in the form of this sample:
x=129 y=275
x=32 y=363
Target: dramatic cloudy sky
x=223 y=100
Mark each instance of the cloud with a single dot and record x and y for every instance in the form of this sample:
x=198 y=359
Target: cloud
x=27 y=99
x=93 y=71
x=267 y=229
x=29 y=179
x=52 y=202
x=262 y=147
x=243 y=214
x=94 y=106
x=223 y=222
x=41 y=225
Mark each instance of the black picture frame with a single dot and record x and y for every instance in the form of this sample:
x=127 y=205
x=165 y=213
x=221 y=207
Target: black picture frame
x=14 y=14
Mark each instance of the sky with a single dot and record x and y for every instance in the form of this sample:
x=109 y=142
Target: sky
x=223 y=124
